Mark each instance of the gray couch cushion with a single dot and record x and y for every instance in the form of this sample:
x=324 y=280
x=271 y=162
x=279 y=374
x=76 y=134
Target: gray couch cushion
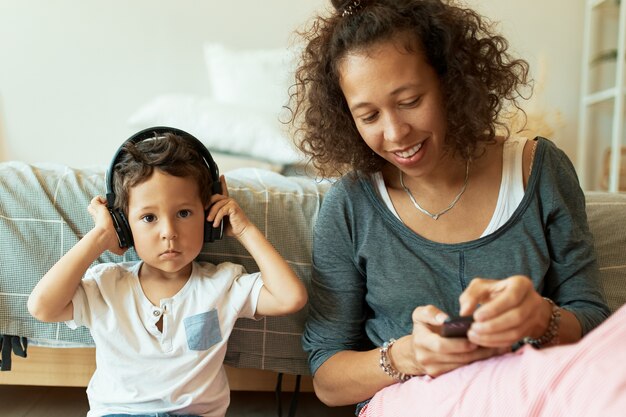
x=607 y=220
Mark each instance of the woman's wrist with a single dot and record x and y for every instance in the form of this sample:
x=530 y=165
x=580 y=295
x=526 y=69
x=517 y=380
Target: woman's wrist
x=387 y=363
x=550 y=333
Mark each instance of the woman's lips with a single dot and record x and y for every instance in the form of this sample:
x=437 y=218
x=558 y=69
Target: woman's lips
x=409 y=152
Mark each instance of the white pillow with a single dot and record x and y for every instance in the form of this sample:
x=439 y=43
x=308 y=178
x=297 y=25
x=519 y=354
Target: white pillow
x=258 y=78
x=221 y=127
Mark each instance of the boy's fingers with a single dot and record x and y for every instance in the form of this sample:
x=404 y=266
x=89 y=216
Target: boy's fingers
x=224 y=186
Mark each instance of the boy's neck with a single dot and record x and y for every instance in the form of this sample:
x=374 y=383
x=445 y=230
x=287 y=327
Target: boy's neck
x=158 y=284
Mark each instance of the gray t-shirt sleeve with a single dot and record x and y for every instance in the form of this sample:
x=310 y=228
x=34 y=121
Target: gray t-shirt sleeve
x=337 y=299
x=572 y=279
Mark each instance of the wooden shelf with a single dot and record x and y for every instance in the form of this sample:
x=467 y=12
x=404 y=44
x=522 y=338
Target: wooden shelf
x=73 y=367
x=616 y=93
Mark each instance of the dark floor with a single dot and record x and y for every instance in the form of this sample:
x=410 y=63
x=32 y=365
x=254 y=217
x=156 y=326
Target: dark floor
x=28 y=401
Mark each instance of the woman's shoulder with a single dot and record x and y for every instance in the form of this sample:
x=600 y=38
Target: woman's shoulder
x=349 y=185
x=556 y=175
x=350 y=190
x=551 y=157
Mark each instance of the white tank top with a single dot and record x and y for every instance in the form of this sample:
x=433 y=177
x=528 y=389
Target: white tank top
x=511 y=188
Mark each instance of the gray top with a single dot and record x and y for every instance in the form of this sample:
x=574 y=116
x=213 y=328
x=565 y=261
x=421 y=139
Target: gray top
x=371 y=271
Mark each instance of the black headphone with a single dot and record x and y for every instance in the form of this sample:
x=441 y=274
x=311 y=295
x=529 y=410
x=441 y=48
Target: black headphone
x=124 y=234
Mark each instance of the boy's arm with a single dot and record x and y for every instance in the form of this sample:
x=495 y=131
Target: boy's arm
x=51 y=299
x=282 y=291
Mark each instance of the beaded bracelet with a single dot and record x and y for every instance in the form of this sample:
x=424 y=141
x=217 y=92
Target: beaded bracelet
x=385 y=363
x=551 y=336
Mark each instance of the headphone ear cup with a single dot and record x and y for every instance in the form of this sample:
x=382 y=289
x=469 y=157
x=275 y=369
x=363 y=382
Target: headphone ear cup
x=124 y=235
x=211 y=234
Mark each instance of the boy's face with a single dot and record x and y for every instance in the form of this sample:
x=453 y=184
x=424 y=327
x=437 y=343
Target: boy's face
x=166 y=217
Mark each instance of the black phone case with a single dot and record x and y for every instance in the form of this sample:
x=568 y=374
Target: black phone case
x=456 y=326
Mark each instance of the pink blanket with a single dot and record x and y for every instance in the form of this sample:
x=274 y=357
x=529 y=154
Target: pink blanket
x=583 y=379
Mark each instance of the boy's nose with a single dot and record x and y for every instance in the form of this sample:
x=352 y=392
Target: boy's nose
x=169 y=236
x=168 y=232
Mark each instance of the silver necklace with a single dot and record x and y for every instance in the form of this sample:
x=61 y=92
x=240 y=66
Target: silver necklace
x=435 y=216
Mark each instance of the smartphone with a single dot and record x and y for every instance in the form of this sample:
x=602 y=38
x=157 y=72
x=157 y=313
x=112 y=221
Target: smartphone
x=456 y=326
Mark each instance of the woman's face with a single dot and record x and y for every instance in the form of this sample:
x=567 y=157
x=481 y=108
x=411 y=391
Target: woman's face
x=396 y=102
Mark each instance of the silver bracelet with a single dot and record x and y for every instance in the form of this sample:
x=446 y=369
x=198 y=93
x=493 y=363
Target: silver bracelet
x=551 y=336
x=385 y=363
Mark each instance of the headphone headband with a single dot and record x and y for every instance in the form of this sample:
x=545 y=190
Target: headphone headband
x=155 y=132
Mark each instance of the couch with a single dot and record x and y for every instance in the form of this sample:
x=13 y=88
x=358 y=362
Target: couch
x=43 y=213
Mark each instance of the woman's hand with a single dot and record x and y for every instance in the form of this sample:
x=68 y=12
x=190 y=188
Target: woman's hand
x=225 y=208
x=104 y=225
x=425 y=352
x=510 y=309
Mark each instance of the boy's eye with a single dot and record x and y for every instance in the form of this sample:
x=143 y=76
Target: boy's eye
x=184 y=213
x=148 y=218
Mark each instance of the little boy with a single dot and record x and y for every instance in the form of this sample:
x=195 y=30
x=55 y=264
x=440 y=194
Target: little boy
x=161 y=324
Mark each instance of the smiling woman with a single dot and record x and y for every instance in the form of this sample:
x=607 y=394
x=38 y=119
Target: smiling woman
x=406 y=97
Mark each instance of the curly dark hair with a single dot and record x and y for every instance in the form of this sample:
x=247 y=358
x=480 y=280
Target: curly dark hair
x=477 y=76
x=168 y=153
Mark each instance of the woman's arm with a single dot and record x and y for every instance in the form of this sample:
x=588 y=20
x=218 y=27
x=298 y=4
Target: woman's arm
x=51 y=299
x=513 y=308
x=282 y=291
x=349 y=377
x=510 y=310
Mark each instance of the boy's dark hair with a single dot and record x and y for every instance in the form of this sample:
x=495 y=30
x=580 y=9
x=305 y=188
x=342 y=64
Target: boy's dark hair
x=168 y=153
x=477 y=76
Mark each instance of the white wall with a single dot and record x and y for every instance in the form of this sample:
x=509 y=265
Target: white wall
x=549 y=35
x=72 y=71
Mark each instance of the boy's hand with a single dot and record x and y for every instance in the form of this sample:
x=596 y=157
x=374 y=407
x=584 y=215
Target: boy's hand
x=104 y=225
x=225 y=208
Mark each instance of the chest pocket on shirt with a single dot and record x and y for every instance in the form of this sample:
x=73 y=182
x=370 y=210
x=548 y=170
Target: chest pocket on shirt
x=203 y=330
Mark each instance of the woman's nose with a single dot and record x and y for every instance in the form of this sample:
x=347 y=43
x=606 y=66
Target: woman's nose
x=395 y=128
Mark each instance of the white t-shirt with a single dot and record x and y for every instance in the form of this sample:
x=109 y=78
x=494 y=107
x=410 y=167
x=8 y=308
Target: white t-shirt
x=140 y=369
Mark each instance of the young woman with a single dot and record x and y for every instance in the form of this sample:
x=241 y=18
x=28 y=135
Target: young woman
x=441 y=212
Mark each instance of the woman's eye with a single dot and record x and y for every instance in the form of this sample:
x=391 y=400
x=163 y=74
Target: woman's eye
x=184 y=213
x=411 y=103
x=148 y=218
x=369 y=118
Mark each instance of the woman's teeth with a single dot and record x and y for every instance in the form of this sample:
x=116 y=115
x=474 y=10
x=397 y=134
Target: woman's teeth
x=410 y=152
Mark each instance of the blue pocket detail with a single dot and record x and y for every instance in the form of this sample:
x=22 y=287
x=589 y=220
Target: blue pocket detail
x=203 y=330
